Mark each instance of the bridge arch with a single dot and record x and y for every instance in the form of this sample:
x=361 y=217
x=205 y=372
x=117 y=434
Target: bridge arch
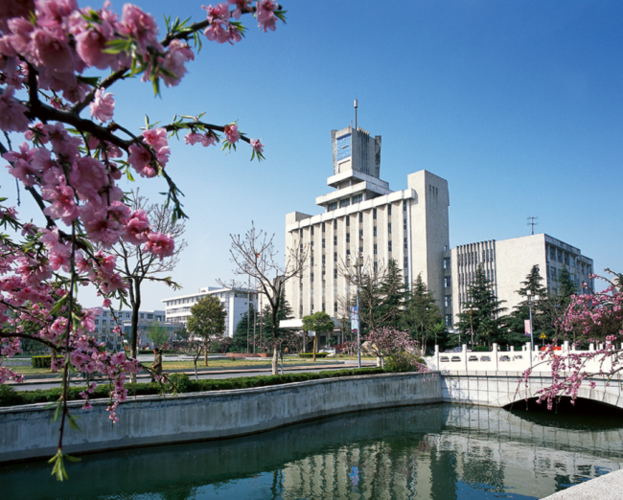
x=598 y=395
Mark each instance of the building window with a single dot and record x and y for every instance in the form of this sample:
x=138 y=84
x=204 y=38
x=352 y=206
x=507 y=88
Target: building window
x=446 y=282
x=447 y=300
x=348 y=220
x=323 y=227
x=347 y=237
x=448 y=318
x=335 y=274
x=374 y=213
x=446 y=261
x=389 y=246
x=361 y=217
x=357 y=198
x=389 y=228
x=374 y=231
x=389 y=209
x=312 y=230
x=335 y=240
x=375 y=249
x=334 y=256
x=335 y=225
x=323 y=243
x=345 y=202
x=332 y=206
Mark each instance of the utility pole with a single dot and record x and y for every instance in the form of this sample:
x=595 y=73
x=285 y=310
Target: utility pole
x=532 y=223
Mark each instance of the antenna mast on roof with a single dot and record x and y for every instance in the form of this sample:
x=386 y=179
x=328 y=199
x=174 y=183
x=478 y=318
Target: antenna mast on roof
x=355 y=114
x=531 y=222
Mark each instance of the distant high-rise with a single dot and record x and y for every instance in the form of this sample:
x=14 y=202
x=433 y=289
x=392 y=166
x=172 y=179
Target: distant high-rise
x=364 y=218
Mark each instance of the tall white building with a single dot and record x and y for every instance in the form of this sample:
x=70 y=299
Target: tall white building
x=235 y=301
x=507 y=263
x=363 y=217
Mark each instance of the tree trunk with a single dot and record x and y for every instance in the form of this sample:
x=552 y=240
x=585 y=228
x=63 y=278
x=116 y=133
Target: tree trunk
x=315 y=337
x=196 y=375
x=205 y=355
x=135 y=302
x=274 y=364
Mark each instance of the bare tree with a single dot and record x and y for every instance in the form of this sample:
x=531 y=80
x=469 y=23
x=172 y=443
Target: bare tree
x=254 y=255
x=137 y=265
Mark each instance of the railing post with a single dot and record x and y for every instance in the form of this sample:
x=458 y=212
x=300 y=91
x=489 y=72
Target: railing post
x=528 y=352
x=495 y=356
x=465 y=356
x=437 y=356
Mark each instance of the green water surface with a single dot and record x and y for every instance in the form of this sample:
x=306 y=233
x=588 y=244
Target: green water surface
x=426 y=452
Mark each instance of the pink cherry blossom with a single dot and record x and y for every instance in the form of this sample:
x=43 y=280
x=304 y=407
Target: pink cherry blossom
x=12 y=118
x=63 y=204
x=90 y=177
x=140 y=27
x=241 y=6
x=257 y=146
x=265 y=11
x=206 y=140
x=232 y=134
x=161 y=245
x=178 y=54
x=102 y=106
x=136 y=229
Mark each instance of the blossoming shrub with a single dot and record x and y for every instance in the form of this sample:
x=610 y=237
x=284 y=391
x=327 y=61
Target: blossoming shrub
x=65 y=150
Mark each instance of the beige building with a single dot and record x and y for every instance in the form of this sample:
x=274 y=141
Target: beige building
x=507 y=263
x=364 y=218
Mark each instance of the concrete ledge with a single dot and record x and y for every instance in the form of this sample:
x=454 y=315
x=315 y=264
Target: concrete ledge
x=606 y=487
x=27 y=431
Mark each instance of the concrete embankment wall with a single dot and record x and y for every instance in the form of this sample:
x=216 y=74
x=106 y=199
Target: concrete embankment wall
x=27 y=431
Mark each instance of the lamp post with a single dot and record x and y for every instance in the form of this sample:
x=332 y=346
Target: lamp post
x=531 y=301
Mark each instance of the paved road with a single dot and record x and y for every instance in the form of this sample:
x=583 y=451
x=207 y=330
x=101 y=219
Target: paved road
x=39 y=384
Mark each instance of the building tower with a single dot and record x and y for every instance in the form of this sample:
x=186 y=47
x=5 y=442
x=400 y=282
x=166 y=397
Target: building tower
x=364 y=218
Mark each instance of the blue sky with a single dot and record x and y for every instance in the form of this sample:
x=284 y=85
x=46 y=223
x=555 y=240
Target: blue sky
x=519 y=105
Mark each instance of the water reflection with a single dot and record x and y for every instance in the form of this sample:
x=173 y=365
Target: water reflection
x=429 y=452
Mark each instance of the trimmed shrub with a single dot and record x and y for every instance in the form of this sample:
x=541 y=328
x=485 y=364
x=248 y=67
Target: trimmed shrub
x=10 y=397
x=311 y=355
x=41 y=361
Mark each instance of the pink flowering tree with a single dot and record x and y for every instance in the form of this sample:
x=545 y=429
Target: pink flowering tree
x=590 y=317
x=62 y=145
x=395 y=347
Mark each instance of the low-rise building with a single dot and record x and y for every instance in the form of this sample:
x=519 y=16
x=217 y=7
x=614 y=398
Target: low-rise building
x=235 y=300
x=506 y=264
x=107 y=321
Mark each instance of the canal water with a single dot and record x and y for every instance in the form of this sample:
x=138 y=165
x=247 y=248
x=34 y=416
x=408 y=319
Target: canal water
x=440 y=452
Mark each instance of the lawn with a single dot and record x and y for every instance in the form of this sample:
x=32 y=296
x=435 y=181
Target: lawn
x=213 y=363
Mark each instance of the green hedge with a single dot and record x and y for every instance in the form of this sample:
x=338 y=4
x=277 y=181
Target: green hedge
x=41 y=361
x=181 y=383
x=311 y=355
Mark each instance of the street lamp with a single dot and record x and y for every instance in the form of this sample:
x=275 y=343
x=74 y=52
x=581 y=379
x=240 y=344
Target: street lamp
x=471 y=322
x=532 y=299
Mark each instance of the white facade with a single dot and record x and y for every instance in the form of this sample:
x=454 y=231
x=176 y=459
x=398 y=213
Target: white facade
x=106 y=322
x=364 y=218
x=507 y=263
x=235 y=301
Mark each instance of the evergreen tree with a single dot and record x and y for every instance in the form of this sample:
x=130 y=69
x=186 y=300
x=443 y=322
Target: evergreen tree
x=382 y=296
x=566 y=287
x=482 y=311
x=516 y=320
x=284 y=312
x=422 y=316
x=239 y=339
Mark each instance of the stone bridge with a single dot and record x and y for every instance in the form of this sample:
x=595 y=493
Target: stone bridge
x=493 y=378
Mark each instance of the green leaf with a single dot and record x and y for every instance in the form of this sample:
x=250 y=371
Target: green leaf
x=57 y=413
x=73 y=423
x=59 y=304
x=73 y=459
